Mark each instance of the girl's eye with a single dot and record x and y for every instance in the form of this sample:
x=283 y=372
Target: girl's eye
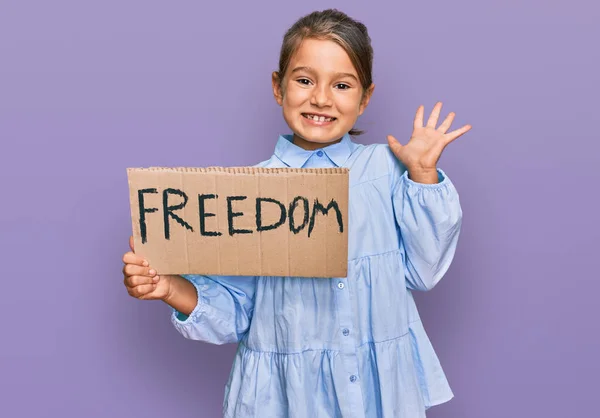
x=342 y=86
x=304 y=81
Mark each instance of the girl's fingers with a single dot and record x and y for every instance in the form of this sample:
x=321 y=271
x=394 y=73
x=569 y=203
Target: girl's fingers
x=456 y=133
x=435 y=114
x=135 y=270
x=142 y=290
x=418 y=122
x=131 y=258
x=393 y=143
x=447 y=122
x=134 y=281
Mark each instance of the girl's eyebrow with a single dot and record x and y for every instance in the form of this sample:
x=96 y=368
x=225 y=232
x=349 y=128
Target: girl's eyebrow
x=311 y=70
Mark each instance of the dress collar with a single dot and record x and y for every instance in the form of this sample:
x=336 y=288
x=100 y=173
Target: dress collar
x=294 y=156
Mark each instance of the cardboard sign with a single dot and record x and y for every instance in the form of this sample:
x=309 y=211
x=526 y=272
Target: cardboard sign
x=243 y=221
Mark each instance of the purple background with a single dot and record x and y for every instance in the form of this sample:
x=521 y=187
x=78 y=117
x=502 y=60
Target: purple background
x=87 y=90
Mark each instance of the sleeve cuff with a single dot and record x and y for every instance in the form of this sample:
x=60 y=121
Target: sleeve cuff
x=443 y=180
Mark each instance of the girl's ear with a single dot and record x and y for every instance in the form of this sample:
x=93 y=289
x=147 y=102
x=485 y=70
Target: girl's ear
x=366 y=98
x=277 y=88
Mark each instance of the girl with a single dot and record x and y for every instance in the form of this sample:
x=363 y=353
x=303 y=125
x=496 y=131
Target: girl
x=350 y=346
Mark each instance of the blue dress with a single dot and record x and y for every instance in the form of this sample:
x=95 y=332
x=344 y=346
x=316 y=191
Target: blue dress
x=351 y=347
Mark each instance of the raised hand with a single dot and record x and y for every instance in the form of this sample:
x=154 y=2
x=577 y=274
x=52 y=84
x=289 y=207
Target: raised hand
x=424 y=148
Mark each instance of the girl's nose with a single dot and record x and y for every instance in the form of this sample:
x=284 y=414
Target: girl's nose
x=321 y=97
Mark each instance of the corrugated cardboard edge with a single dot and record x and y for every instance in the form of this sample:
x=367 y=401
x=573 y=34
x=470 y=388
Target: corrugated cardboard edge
x=132 y=204
x=246 y=170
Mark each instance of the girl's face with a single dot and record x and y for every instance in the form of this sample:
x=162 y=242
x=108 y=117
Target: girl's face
x=321 y=94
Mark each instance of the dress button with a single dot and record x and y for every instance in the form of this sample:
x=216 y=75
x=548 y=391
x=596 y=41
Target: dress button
x=353 y=378
x=341 y=285
x=320 y=153
x=346 y=332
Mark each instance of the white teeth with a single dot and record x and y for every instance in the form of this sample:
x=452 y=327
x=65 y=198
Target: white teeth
x=319 y=118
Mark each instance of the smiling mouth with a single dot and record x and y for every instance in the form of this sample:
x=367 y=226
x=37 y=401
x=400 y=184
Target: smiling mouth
x=317 y=118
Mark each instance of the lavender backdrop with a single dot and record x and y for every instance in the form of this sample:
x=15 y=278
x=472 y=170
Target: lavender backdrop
x=90 y=88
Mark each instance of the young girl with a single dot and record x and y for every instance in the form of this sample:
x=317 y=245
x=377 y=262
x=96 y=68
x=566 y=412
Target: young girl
x=347 y=346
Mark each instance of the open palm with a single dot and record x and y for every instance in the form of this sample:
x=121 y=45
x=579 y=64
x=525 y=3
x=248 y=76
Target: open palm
x=426 y=143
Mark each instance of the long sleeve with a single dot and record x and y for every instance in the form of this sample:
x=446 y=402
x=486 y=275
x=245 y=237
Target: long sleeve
x=224 y=310
x=429 y=218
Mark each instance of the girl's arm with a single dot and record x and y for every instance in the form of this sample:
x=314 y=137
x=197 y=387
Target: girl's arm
x=214 y=309
x=428 y=213
x=428 y=217
x=182 y=295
